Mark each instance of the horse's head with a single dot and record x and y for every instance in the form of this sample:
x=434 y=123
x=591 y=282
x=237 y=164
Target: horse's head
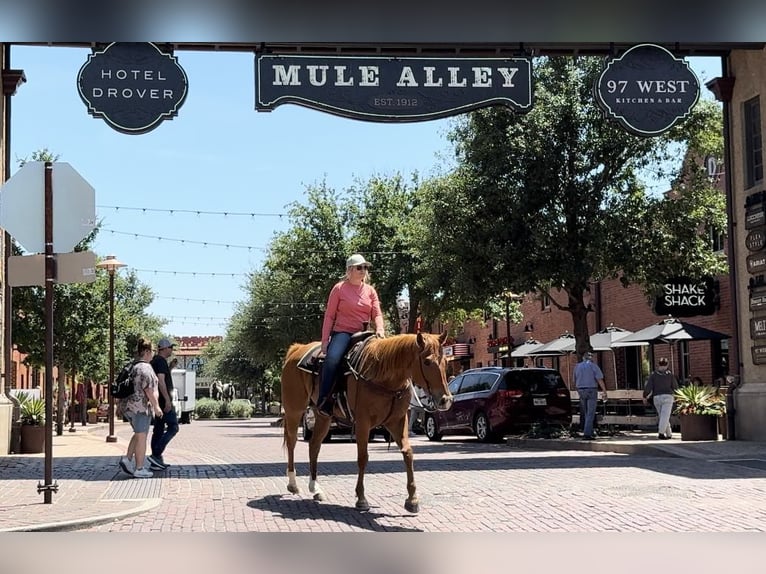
x=432 y=375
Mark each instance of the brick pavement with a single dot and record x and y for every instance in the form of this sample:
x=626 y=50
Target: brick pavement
x=230 y=476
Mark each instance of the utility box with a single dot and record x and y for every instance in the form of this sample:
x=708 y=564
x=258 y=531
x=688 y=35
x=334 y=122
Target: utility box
x=185 y=394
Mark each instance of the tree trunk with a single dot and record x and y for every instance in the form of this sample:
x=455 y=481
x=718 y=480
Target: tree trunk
x=579 y=321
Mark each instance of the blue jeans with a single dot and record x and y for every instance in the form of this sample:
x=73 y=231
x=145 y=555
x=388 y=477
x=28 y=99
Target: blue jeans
x=335 y=351
x=160 y=436
x=588 y=401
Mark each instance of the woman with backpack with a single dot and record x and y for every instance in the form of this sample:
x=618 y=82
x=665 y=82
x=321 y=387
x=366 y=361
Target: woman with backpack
x=140 y=408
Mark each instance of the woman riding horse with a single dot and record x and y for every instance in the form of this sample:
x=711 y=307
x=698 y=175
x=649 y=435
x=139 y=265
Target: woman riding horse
x=378 y=394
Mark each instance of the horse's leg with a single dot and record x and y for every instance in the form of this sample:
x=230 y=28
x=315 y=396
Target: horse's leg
x=400 y=434
x=362 y=456
x=291 y=422
x=321 y=428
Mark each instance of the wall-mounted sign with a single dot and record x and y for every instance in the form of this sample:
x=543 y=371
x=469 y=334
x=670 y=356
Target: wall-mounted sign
x=755 y=210
x=388 y=89
x=756 y=239
x=756 y=263
x=758 y=328
x=647 y=90
x=684 y=297
x=132 y=86
x=759 y=354
x=758 y=298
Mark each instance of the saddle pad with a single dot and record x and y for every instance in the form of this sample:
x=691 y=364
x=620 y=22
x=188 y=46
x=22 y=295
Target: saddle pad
x=308 y=362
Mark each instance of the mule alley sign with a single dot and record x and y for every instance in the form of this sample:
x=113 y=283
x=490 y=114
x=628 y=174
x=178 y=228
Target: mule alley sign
x=647 y=90
x=388 y=89
x=132 y=86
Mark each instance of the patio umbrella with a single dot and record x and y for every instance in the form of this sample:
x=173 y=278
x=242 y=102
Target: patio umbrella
x=526 y=348
x=606 y=337
x=668 y=330
x=564 y=344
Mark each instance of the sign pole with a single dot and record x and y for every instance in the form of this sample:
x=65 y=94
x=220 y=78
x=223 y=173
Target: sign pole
x=48 y=488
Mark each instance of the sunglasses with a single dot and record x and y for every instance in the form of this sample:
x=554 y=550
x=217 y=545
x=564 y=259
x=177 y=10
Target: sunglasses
x=361 y=267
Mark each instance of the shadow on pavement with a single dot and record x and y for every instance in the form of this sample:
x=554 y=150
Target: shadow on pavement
x=290 y=507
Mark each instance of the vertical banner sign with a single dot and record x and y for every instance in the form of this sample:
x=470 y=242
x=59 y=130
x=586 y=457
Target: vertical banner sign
x=647 y=90
x=388 y=89
x=132 y=86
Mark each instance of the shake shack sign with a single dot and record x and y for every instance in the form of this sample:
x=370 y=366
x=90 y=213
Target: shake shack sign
x=132 y=86
x=685 y=297
x=647 y=90
x=387 y=89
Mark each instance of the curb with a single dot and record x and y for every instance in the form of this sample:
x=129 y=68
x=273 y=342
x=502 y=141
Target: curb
x=76 y=524
x=595 y=446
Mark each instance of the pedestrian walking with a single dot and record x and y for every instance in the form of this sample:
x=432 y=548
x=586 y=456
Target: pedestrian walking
x=588 y=378
x=138 y=408
x=166 y=424
x=660 y=386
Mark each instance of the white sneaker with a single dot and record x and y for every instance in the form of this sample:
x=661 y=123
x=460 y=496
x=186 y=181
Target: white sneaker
x=127 y=465
x=143 y=473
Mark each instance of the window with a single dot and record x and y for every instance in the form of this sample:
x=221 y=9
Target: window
x=683 y=351
x=486 y=381
x=753 y=143
x=717 y=238
x=545 y=301
x=454 y=385
x=471 y=383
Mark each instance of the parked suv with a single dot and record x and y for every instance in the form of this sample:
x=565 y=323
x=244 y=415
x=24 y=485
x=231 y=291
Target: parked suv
x=491 y=401
x=336 y=428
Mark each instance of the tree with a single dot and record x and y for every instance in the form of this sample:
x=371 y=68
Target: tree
x=553 y=200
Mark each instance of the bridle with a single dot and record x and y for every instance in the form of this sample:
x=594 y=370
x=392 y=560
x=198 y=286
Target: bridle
x=428 y=361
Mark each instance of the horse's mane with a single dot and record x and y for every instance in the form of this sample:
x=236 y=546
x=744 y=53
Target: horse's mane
x=391 y=359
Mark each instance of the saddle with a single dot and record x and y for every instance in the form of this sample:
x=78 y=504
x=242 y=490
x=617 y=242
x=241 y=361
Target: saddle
x=310 y=362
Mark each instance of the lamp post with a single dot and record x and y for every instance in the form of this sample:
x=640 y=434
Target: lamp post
x=509 y=296
x=111 y=264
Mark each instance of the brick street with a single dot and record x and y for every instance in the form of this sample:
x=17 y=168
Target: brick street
x=229 y=476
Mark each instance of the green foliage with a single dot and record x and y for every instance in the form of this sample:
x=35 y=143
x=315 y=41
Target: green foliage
x=206 y=408
x=699 y=400
x=241 y=408
x=32 y=412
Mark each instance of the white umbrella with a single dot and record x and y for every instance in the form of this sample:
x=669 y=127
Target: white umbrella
x=526 y=348
x=560 y=346
x=604 y=340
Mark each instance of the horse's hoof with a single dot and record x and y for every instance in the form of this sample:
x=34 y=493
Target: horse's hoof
x=319 y=497
x=410 y=506
x=293 y=489
x=362 y=505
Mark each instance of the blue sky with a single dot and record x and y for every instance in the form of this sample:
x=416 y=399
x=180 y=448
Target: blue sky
x=217 y=155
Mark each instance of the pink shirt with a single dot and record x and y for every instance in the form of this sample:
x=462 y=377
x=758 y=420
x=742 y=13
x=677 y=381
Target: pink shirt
x=348 y=306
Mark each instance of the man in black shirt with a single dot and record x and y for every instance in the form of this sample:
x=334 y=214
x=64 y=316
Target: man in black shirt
x=166 y=426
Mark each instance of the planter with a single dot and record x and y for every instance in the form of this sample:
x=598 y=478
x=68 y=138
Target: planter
x=92 y=418
x=699 y=427
x=32 y=439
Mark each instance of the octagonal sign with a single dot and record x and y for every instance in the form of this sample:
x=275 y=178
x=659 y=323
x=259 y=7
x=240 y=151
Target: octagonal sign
x=22 y=207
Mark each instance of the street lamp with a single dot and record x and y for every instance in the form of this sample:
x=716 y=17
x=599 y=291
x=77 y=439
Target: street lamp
x=509 y=296
x=111 y=264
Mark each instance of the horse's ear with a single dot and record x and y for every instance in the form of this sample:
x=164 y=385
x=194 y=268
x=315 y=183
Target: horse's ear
x=421 y=341
x=442 y=337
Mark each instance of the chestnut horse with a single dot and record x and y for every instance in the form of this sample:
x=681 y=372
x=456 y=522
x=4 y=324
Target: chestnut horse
x=378 y=395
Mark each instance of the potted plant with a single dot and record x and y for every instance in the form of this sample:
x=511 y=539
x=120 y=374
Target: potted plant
x=32 y=412
x=699 y=407
x=92 y=415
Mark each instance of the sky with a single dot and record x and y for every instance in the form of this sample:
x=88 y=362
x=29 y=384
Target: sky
x=217 y=156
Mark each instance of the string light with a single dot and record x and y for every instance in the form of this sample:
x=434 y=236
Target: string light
x=191 y=211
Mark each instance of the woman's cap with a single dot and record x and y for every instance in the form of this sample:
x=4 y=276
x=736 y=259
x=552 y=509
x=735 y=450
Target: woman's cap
x=355 y=260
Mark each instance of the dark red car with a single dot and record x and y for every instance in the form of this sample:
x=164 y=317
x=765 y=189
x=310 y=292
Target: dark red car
x=492 y=401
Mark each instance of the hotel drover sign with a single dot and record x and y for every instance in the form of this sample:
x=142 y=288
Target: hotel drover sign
x=392 y=89
x=133 y=87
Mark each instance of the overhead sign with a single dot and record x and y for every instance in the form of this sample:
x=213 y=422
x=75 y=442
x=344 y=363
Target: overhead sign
x=22 y=207
x=647 y=90
x=132 y=86
x=388 y=89
x=684 y=297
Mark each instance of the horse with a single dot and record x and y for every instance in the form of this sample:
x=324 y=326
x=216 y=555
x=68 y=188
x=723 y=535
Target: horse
x=229 y=393
x=378 y=394
x=216 y=391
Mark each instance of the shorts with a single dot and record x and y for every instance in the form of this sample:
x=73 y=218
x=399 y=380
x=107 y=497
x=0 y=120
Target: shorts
x=139 y=421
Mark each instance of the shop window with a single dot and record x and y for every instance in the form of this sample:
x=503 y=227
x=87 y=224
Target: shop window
x=753 y=143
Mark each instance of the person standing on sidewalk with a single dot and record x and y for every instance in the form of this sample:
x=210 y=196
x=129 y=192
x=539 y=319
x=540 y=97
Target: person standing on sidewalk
x=661 y=385
x=165 y=425
x=139 y=408
x=588 y=378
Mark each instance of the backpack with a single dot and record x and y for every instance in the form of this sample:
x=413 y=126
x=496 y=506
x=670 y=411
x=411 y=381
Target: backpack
x=123 y=387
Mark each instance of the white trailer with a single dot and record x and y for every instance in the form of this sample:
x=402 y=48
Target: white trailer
x=185 y=391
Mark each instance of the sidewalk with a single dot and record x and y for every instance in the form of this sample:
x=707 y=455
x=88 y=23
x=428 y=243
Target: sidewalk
x=92 y=489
